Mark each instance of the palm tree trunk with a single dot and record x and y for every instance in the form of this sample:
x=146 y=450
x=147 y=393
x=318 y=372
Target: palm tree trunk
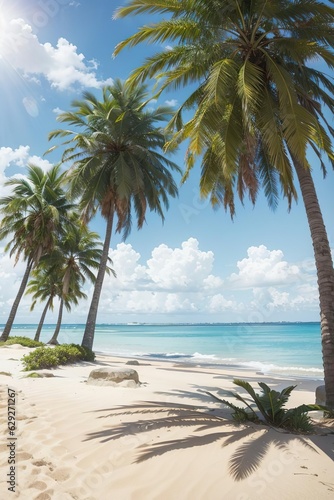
x=88 y=337
x=54 y=340
x=41 y=321
x=325 y=274
x=12 y=314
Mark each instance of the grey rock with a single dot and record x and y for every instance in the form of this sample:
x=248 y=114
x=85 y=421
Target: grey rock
x=320 y=395
x=115 y=377
x=132 y=362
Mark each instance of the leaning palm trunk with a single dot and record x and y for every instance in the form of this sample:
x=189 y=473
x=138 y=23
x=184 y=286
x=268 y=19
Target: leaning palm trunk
x=54 y=338
x=88 y=338
x=41 y=321
x=325 y=274
x=12 y=314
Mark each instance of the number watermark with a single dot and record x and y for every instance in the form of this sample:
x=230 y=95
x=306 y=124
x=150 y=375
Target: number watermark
x=11 y=439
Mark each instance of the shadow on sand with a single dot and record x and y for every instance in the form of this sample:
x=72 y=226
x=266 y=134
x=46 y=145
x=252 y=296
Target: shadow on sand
x=207 y=426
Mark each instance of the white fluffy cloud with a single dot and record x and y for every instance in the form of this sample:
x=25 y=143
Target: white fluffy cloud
x=10 y=278
x=19 y=157
x=13 y=156
x=181 y=280
x=129 y=272
x=172 y=281
x=62 y=65
x=270 y=300
x=264 y=267
x=171 y=102
x=180 y=268
x=169 y=269
x=180 y=283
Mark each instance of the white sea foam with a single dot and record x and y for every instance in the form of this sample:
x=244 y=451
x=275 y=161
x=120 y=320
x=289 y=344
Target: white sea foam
x=198 y=355
x=173 y=354
x=269 y=368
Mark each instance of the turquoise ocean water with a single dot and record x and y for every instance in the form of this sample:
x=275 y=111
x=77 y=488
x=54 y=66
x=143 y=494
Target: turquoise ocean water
x=292 y=349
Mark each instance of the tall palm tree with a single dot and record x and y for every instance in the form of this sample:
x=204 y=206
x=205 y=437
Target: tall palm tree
x=63 y=273
x=73 y=296
x=34 y=215
x=118 y=166
x=44 y=286
x=258 y=108
x=76 y=257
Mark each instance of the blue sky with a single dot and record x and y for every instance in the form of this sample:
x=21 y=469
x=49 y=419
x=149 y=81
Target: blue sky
x=199 y=265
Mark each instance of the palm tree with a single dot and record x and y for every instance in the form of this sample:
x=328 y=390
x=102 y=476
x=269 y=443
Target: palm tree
x=34 y=215
x=117 y=165
x=63 y=272
x=44 y=286
x=73 y=296
x=78 y=254
x=258 y=108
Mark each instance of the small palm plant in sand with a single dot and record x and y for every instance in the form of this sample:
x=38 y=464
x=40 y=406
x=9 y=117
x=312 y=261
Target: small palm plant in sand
x=269 y=406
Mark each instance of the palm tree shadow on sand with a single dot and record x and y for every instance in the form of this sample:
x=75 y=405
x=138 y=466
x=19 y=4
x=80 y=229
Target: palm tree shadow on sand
x=256 y=440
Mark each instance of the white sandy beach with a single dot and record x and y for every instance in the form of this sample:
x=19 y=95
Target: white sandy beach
x=164 y=440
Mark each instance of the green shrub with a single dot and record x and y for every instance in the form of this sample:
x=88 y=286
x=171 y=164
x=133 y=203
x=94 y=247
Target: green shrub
x=42 y=357
x=67 y=354
x=87 y=354
x=24 y=341
x=270 y=406
x=49 y=357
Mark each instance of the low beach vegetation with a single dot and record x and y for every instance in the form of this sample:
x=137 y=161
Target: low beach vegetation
x=268 y=407
x=50 y=357
x=24 y=341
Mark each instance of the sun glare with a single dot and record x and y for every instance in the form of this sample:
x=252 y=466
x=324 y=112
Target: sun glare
x=8 y=13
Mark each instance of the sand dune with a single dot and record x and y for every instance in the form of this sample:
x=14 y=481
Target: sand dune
x=163 y=440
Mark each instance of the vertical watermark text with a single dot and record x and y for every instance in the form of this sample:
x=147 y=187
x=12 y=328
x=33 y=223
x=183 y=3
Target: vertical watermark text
x=11 y=440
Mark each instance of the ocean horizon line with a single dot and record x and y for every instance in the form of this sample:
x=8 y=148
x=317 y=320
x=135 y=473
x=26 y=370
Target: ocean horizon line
x=206 y=323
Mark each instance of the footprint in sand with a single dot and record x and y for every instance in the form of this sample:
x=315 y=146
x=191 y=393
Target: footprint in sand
x=23 y=455
x=46 y=495
x=38 y=485
x=60 y=474
x=22 y=417
x=42 y=463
